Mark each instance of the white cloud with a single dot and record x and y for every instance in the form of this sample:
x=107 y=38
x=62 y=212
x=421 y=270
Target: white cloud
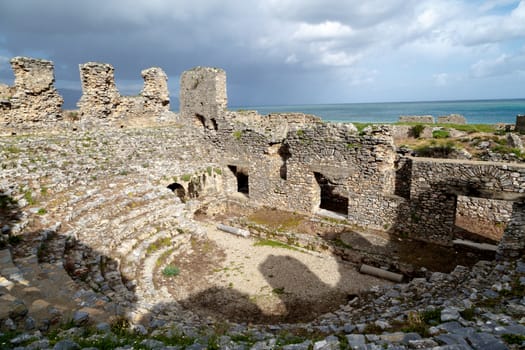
x=322 y=31
x=441 y=79
x=501 y=65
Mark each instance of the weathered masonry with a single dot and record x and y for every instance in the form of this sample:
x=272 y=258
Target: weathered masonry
x=33 y=98
x=295 y=162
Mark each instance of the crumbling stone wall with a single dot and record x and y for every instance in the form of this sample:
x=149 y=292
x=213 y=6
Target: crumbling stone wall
x=33 y=98
x=100 y=96
x=155 y=92
x=102 y=100
x=425 y=119
x=435 y=185
x=452 y=119
x=203 y=96
x=485 y=217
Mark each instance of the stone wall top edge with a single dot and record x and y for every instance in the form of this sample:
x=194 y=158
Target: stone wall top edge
x=445 y=161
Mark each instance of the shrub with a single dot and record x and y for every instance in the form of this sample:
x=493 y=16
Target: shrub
x=440 y=134
x=186 y=177
x=417 y=130
x=170 y=270
x=237 y=134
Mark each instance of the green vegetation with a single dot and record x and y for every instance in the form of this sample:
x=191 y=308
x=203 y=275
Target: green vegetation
x=440 y=134
x=28 y=196
x=508 y=150
x=273 y=244
x=158 y=244
x=208 y=170
x=170 y=271
x=217 y=171
x=41 y=211
x=186 y=177
x=417 y=130
x=6 y=202
x=278 y=291
x=436 y=150
x=237 y=134
x=517 y=339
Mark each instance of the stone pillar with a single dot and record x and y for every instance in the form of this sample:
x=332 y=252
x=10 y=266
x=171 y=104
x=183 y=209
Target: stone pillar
x=512 y=244
x=100 y=96
x=520 y=123
x=155 y=92
x=35 y=97
x=203 y=96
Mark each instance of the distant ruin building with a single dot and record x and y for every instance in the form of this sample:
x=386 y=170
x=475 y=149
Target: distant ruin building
x=452 y=119
x=33 y=98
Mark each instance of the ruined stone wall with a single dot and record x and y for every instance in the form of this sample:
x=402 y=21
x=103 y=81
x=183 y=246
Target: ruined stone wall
x=100 y=96
x=102 y=100
x=425 y=119
x=203 y=96
x=155 y=92
x=33 y=98
x=435 y=185
x=452 y=119
x=484 y=217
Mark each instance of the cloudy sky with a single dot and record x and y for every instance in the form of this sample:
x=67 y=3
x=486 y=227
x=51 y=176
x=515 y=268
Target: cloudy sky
x=282 y=51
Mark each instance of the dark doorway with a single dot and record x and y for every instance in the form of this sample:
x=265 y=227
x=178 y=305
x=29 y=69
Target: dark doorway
x=242 y=179
x=200 y=120
x=284 y=153
x=331 y=197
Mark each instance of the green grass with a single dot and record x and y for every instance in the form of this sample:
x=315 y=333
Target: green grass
x=440 y=134
x=274 y=244
x=158 y=244
x=170 y=271
x=469 y=128
x=42 y=211
x=186 y=177
x=217 y=171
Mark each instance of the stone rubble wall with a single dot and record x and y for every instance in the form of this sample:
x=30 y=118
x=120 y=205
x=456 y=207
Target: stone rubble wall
x=203 y=96
x=100 y=96
x=436 y=184
x=33 y=98
x=486 y=217
x=102 y=100
x=425 y=119
x=452 y=119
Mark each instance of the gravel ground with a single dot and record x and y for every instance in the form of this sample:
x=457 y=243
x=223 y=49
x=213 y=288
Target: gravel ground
x=230 y=277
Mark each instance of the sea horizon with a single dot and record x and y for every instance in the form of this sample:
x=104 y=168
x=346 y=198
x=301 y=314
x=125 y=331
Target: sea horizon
x=483 y=111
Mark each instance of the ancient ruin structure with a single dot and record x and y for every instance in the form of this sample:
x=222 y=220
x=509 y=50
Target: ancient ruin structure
x=452 y=119
x=101 y=99
x=103 y=210
x=311 y=167
x=33 y=98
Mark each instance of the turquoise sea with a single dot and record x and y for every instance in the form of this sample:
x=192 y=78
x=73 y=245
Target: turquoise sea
x=476 y=112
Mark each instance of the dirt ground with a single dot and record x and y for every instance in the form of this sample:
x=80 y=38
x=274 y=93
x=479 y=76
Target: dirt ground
x=229 y=277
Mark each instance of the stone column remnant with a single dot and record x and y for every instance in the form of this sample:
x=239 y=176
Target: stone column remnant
x=203 y=95
x=155 y=92
x=35 y=97
x=100 y=96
